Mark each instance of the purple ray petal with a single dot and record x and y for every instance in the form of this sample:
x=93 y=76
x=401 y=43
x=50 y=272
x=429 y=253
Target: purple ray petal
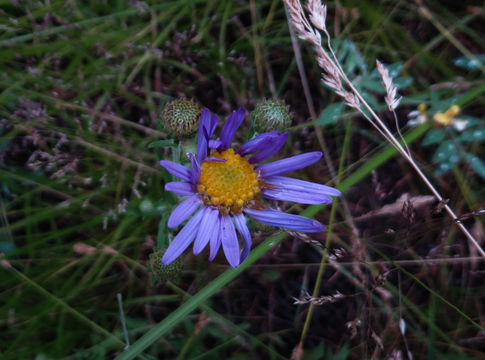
x=283 y=220
x=202 y=141
x=296 y=196
x=177 y=170
x=207 y=127
x=180 y=188
x=213 y=124
x=214 y=144
x=183 y=239
x=273 y=145
x=301 y=185
x=208 y=223
x=289 y=164
x=230 y=245
x=195 y=168
x=215 y=240
x=256 y=144
x=241 y=226
x=305 y=192
x=230 y=127
x=213 y=158
x=206 y=135
x=183 y=211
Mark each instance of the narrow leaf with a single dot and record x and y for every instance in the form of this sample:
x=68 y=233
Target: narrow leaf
x=162 y=143
x=331 y=114
x=434 y=136
x=476 y=163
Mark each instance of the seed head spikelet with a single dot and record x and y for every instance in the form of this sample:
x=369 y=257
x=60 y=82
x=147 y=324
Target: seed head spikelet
x=391 y=90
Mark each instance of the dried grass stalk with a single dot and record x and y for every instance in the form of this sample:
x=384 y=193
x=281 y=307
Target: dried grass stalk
x=335 y=78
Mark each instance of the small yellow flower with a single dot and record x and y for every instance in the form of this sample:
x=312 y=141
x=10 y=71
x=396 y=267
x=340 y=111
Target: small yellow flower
x=439 y=120
x=422 y=108
x=419 y=116
x=449 y=118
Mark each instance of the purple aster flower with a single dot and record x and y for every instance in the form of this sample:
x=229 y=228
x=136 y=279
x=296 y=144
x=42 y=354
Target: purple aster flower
x=224 y=185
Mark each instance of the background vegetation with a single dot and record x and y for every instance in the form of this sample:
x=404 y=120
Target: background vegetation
x=82 y=85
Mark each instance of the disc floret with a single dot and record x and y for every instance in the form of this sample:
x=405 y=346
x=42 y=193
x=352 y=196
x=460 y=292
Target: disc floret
x=232 y=183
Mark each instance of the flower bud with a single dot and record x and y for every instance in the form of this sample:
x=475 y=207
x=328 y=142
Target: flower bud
x=181 y=117
x=271 y=115
x=164 y=272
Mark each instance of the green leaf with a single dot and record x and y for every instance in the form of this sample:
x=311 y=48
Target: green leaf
x=446 y=156
x=402 y=82
x=476 y=163
x=443 y=167
x=472 y=135
x=394 y=69
x=162 y=143
x=350 y=57
x=434 y=136
x=446 y=153
x=470 y=64
x=373 y=85
x=331 y=114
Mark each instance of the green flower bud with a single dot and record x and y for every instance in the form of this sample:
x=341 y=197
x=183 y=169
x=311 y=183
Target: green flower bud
x=181 y=117
x=164 y=272
x=271 y=115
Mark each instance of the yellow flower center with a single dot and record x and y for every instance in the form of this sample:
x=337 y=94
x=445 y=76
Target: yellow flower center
x=441 y=119
x=422 y=108
x=231 y=183
x=447 y=118
x=453 y=110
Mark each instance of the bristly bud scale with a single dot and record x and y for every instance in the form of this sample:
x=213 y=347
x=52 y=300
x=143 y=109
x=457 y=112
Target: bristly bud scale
x=271 y=115
x=162 y=272
x=181 y=117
